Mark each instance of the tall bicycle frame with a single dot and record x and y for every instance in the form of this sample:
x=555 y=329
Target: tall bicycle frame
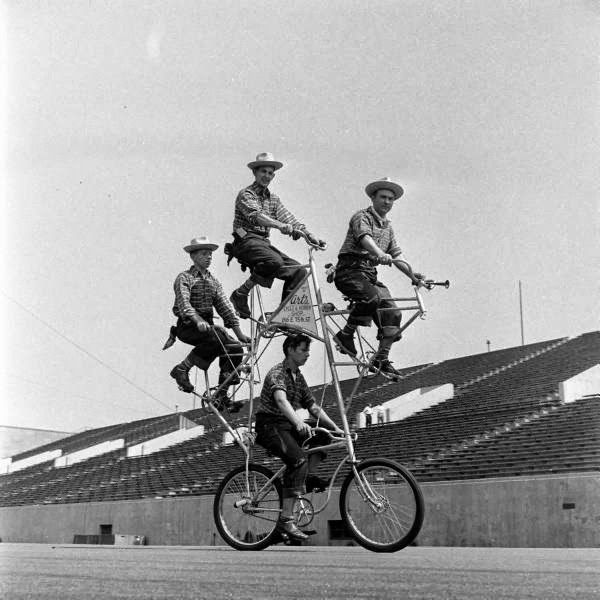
x=380 y=500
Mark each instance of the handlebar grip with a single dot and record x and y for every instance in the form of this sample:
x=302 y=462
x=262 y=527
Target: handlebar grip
x=324 y=430
x=429 y=283
x=445 y=284
x=298 y=233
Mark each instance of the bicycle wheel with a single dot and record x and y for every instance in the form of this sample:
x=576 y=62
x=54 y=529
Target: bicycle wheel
x=383 y=508
x=246 y=507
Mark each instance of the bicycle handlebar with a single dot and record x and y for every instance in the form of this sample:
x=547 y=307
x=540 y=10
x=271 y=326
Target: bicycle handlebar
x=299 y=233
x=426 y=283
x=331 y=435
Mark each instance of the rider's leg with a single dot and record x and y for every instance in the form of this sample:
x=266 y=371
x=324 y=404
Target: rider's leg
x=359 y=286
x=188 y=333
x=292 y=274
x=388 y=324
x=277 y=435
x=271 y=263
x=262 y=259
x=314 y=483
x=231 y=354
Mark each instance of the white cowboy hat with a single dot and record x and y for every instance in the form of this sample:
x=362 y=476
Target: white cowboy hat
x=265 y=159
x=384 y=184
x=200 y=243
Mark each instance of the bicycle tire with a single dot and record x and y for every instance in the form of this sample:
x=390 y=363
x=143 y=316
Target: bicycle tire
x=246 y=527
x=394 y=520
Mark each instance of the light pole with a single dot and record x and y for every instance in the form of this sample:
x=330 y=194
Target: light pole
x=521 y=312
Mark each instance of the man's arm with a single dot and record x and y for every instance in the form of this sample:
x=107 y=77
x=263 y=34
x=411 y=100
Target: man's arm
x=266 y=221
x=318 y=413
x=368 y=243
x=290 y=414
x=284 y=216
x=247 y=203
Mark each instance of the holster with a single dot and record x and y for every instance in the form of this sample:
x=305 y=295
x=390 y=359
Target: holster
x=229 y=251
x=172 y=337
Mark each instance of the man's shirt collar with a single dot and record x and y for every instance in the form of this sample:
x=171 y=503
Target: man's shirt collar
x=288 y=367
x=259 y=190
x=381 y=221
x=195 y=271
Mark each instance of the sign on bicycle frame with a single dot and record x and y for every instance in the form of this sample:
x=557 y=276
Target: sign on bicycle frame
x=298 y=310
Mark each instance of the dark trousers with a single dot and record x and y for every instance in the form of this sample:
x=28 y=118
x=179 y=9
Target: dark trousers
x=209 y=345
x=277 y=435
x=267 y=263
x=357 y=280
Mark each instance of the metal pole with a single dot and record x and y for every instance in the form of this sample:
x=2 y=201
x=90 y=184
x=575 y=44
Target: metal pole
x=488 y=344
x=521 y=312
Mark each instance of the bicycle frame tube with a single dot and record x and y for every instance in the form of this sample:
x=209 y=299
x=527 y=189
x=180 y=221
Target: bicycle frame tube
x=263 y=490
x=236 y=436
x=330 y=357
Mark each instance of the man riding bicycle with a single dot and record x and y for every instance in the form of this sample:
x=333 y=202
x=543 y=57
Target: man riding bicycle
x=197 y=291
x=257 y=211
x=370 y=240
x=283 y=432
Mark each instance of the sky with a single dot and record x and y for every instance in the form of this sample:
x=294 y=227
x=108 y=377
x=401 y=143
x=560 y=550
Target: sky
x=127 y=128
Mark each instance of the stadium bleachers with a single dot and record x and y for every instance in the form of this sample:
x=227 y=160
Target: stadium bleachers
x=505 y=419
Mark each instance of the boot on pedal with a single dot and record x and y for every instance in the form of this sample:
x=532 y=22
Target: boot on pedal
x=240 y=304
x=287 y=529
x=385 y=367
x=345 y=343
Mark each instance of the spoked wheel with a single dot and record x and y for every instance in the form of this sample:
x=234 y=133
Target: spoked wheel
x=383 y=508
x=246 y=508
x=304 y=512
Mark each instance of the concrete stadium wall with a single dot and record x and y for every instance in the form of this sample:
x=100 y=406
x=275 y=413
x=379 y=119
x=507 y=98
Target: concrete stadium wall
x=521 y=512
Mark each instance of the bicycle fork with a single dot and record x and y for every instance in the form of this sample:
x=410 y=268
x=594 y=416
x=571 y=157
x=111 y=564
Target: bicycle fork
x=366 y=492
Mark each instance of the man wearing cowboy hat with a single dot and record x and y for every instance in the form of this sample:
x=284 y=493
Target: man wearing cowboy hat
x=257 y=211
x=196 y=292
x=370 y=240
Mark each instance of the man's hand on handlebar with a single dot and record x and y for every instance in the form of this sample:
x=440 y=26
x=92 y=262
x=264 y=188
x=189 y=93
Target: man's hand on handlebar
x=384 y=259
x=286 y=229
x=311 y=239
x=202 y=326
x=418 y=279
x=315 y=241
x=303 y=428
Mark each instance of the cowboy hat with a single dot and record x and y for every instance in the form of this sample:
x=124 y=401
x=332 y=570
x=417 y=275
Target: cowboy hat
x=200 y=243
x=384 y=184
x=265 y=159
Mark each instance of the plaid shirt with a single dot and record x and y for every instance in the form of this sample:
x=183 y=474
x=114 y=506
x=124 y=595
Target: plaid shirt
x=280 y=377
x=254 y=200
x=368 y=222
x=196 y=294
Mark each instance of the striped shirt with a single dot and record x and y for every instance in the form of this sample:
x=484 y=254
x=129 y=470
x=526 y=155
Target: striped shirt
x=368 y=222
x=280 y=377
x=254 y=200
x=196 y=294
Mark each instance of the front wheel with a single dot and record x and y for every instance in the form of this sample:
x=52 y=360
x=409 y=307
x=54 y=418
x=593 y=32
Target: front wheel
x=247 y=506
x=382 y=505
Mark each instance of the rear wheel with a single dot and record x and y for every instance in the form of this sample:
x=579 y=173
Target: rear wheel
x=247 y=506
x=382 y=505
